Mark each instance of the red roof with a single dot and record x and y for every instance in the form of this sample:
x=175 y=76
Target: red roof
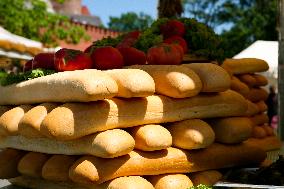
x=85 y=11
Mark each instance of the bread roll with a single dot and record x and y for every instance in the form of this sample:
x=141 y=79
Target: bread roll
x=258 y=132
x=31 y=164
x=170 y=181
x=268 y=130
x=246 y=65
x=173 y=81
x=248 y=79
x=151 y=137
x=9 y=121
x=261 y=106
x=74 y=120
x=29 y=125
x=57 y=167
x=191 y=134
x=239 y=86
x=267 y=144
x=253 y=109
x=78 y=86
x=213 y=77
x=259 y=119
x=107 y=144
x=131 y=182
x=231 y=130
x=260 y=80
x=9 y=159
x=90 y=169
x=208 y=178
x=257 y=94
x=132 y=82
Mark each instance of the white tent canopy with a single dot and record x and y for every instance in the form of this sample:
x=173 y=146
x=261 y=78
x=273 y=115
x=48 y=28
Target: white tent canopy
x=266 y=50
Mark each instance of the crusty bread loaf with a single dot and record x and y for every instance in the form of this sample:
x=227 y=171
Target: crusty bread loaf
x=258 y=132
x=107 y=144
x=267 y=144
x=151 y=137
x=260 y=80
x=239 y=86
x=231 y=130
x=170 y=181
x=56 y=168
x=90 y=169
x=78 y=86
x=74 y=120
x=29 y=125
x=246 y=65
x=9 y=159
x=31 y=164
x=132 y=82
x=261 y=106
x=259 y=119
x=208 y=178
x=268 y=130
x=253 y=109
x=213 y=77
x=248 y=79
x=257 y=94
x=191 y=134
x=9 y=121
x=173 y=81
x=131 y=182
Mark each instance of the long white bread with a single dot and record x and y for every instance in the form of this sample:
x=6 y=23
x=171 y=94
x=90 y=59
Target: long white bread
x=151 y=137
x=90 y=169
x=246 y=65
x=107 y=144
x=69 y=86
x=9 y=159
x=9 y=121
x=31 y=164
x=213 y=77
x=29 y=125
x=267 y=144
x=231 y=130
x=131 y=182
x=248 y=79
x=170 y=181
x=132 y=82
x=259 y=119
x=239 y=86
x=208 y=178
x=261 y=106
x=74 y=120
x=173 y=81
x=253 y=109
x=260 y=80
x=191 y=134
x=257 y=94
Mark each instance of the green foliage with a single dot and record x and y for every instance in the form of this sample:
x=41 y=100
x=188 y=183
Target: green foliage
x=245 y=21
x=30 y=19
x=108 y=42
x=201 y=186
x=130 y=21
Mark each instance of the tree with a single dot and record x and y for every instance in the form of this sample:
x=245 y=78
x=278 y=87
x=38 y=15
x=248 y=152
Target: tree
x=30 y=19
x=245 y=21
x=130 y=21
x=170 y=8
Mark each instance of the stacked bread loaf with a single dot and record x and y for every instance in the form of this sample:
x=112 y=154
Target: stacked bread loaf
x=247 y=81
x=138 y=127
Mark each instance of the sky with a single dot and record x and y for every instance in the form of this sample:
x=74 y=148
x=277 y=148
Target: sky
x=106 y=8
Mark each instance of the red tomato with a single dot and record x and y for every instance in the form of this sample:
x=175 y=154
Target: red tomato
x=132 y=56
x=172 y=27
x=177 y=40
x=41 y=60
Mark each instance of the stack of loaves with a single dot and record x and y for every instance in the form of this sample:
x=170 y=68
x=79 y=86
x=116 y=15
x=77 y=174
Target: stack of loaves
x=138 y=127
x=249 y=83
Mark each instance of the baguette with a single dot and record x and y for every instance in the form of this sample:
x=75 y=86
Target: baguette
x=9 y=159
x=131 y=182
x=56 y=168
x=260 y=80
x=268 y=130
x=31 y=164
x=231 y=130
x=191 y=134
x=267 y=144
x=90 y=169
x=132 y=82
x=9 y=121
x=78 y=86
x=259 y=119
x=258 y=132
x=239 y=86
x=257 y=94
x=253 y=109
x=107 y=144
x=213 y=77
x=248 y=79
x=173 y=81
x=170 y=181
x=74 y=120
x=29 y=125
x=261 y=106
x=151 y=137
x=208 y=178
x=246 y=65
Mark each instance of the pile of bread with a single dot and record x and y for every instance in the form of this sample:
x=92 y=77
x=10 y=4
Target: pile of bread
x=145 y=126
